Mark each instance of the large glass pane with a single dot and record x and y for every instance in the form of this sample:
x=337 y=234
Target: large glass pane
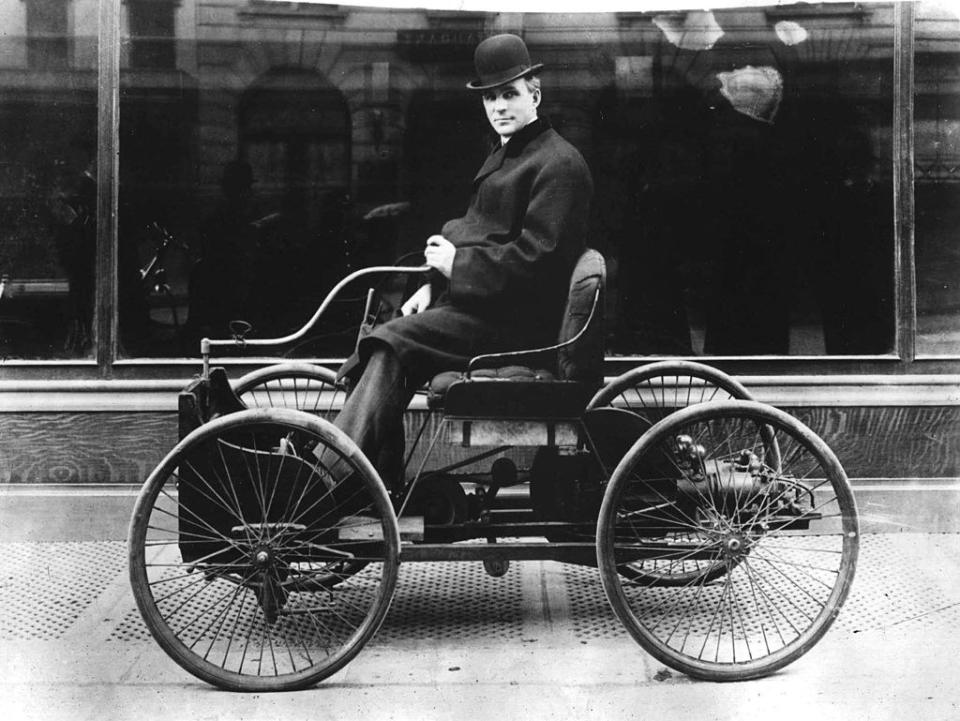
x=752 y=181
x=742 y=163
x=48 y=191
x=937 y=177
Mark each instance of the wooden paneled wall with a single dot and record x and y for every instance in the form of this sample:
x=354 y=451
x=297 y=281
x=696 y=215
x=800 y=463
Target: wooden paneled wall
x=107 y=447
x=83 y=447
x=890 y=442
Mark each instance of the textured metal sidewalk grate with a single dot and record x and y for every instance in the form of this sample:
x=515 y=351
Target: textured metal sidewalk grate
x=454 y=601
x=904 y=579
x=433 y=602
x=900 y=579
x=47 y=588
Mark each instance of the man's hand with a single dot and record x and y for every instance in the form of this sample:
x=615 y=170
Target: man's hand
x=418 y=302
x=439 y=254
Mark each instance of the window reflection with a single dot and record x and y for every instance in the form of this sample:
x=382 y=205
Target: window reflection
x=757 y=187
x=48 y=191
x=741 y=157
x=48 y=41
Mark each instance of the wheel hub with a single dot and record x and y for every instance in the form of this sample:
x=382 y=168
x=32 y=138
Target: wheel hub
x=735 y=546
x=262 y=558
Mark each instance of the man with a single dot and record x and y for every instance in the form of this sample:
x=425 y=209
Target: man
x=500 y=273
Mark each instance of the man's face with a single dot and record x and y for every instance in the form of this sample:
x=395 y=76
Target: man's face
x=510 y=106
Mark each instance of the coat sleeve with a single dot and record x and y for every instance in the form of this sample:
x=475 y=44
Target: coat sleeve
x=492 y=272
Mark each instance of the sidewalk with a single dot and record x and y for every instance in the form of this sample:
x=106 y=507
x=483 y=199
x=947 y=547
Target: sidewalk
x=539 y=643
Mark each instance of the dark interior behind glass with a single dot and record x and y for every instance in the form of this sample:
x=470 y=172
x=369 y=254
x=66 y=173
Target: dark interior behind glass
x=742 y=163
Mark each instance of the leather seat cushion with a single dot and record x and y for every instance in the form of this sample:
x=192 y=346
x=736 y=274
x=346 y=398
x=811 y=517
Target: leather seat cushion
x=437 y=390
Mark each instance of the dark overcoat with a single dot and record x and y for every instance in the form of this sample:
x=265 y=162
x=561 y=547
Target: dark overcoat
x=516 y=246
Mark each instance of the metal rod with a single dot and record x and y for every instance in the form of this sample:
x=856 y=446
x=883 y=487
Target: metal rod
x=372 y=270
x=582 y=552
x=577 y=552
x=487 y=357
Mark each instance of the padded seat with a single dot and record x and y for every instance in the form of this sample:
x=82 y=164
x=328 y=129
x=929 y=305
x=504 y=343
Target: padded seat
x=437 y=390
x=505 y=389
x=528 y=399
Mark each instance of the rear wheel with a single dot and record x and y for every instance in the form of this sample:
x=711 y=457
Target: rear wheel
x=696 y=487
x=301 y=386
x=656 y=390
x=238 y=543
x=651 y=393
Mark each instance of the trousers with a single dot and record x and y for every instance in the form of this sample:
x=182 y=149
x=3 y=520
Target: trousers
x=372 y=414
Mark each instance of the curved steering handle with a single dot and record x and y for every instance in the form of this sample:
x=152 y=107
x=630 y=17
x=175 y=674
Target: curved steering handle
x=207 y=343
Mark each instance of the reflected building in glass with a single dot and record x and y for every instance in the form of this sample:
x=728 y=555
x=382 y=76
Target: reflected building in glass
x=743 y=161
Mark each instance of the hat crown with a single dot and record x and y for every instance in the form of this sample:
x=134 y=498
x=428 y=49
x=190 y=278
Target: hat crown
x=500 y=59
x=499 y=53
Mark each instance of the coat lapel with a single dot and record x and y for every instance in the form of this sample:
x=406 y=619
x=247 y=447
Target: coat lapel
x=512 y=149
x=491 y=164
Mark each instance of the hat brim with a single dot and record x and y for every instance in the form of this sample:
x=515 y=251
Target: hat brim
x=481 y=85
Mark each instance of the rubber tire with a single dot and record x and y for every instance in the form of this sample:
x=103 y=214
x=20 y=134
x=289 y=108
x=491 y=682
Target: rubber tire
x=645 y=374
x=140 y=583
x=665 y=369
x=612 y=579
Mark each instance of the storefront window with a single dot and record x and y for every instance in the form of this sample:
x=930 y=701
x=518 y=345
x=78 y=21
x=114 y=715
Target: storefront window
x=742 y=161
x=48 y=191
x=937 y=178
x=751 y=188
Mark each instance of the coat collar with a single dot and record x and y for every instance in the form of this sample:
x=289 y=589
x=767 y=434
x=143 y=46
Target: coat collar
x=513 y=148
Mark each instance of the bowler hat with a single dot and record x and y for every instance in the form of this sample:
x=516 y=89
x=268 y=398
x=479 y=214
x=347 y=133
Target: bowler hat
x=501 y=59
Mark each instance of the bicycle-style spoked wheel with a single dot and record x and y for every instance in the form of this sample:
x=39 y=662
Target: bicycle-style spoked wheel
x=237 y=545
x=301 y=386
x=696 y=487
x=652 y=392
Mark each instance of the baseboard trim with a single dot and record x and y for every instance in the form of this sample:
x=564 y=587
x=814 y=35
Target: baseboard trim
x=786 y=391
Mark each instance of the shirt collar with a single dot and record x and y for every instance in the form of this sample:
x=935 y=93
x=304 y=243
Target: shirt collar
x=513 y=148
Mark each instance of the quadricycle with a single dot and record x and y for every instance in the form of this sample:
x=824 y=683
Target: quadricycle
x=264 y=549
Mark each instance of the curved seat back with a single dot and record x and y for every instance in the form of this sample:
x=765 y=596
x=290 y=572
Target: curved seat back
x=582 y=360
x=564 y=376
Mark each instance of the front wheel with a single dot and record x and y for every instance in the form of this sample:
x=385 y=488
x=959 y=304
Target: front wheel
x=303 y=387
x=698 y=487
x=238 y=543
